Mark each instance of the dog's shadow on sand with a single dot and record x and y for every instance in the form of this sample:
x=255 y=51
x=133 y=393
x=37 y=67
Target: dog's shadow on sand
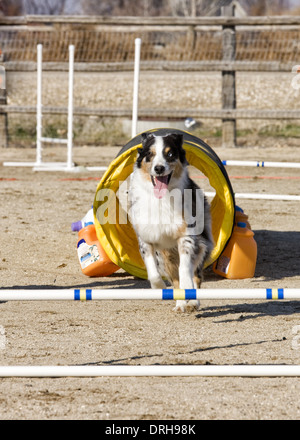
x=278 y=256
x=250 y=310
x=116 y=280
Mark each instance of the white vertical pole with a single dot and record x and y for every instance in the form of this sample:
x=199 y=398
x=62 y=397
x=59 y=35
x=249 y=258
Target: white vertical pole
x=70 y=106
x=137 y=54
x=39 y=106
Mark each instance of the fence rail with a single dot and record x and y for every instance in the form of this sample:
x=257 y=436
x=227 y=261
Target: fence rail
x=158 y=113
x=173 y=66
x=165 y=39
x=225 y=44
x=81 y=20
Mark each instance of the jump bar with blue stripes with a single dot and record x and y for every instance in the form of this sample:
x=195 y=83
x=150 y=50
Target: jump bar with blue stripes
x=170 y=294
x=82 y=294
x=275 y=293
x=174 y=294
x=254 y=163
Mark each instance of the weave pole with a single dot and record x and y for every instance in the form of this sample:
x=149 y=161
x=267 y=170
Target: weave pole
x=39 y=165
x=146 y=294
x=151 y=370
x=262 y=164
x=137 y=56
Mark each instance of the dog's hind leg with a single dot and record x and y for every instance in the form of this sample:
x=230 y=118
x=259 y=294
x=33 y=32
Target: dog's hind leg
x=148 y=254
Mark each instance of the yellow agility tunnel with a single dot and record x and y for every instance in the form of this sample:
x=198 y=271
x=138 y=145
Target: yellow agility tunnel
x=118 y=238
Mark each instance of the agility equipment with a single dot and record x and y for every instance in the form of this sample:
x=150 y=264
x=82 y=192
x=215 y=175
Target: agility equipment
x=238 y=260
x=150 y=370
x=85 y=221
x=279 y=197
x=119 y=240
x=92 y=258
x=137 y=56
x=256 y=196
x=276 y=370
x=39 y=165
x=241 y=216
x=54 y=166
x=148 y=294
x=261 y=163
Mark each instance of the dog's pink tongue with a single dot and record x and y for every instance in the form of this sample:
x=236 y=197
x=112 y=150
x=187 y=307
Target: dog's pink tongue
x=161 y=186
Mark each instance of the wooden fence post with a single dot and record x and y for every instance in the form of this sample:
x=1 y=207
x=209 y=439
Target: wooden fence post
x=3 y=116
x=228 y=80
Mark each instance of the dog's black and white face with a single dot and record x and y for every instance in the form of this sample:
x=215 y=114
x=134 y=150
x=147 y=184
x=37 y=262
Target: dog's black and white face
x=161 y=159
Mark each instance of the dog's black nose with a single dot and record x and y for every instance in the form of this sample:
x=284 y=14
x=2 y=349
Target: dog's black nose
x=159 y=169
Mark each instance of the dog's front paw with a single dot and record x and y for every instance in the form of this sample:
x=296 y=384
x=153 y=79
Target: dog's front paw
x=180 y=306
x=193 y=304
x=186 y=306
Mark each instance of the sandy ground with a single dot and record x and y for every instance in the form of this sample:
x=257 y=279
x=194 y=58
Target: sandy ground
x=38 y=249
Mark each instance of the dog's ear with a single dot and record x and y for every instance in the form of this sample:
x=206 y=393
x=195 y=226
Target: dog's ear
x=177 y=140
x=146 y=137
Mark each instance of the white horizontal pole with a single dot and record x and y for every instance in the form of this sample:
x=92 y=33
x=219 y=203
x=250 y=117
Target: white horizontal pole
x=54 y=166
x=150 y=370
x=65 y=168
x=54 y=140
x=256 y=196
x=266 y=196
x=41 y=165
x=20 y=164
x=147 y=294
x=96 y=168
x=261 y=163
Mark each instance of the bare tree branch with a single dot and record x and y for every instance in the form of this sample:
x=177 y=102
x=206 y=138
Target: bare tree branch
x=11 y=7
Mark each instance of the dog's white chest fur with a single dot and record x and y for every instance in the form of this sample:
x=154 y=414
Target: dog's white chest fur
x=157 y=221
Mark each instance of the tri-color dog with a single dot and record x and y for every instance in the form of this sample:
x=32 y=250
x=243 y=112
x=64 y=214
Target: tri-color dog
x=170 y=215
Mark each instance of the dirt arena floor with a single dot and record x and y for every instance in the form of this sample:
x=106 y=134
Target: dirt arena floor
x=38 y=250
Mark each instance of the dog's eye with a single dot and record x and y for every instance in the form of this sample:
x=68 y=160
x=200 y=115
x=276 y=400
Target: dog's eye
x=170 y=154
x=148 y=156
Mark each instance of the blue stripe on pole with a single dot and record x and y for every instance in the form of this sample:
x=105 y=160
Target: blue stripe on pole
x=77 y=294
x=275 y=293
x=88 y=294
x=167 y=294
x=82 y=294
x=190 y=294
x=280 y=293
